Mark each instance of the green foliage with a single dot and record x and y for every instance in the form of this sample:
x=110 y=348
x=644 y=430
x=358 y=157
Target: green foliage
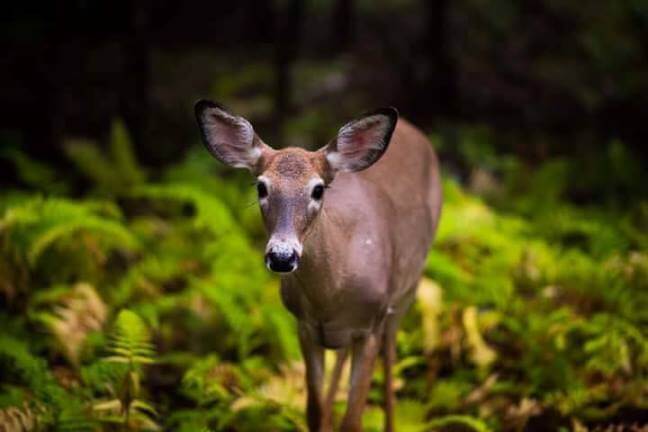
x=70 y=315
x=38 y=234
x=546 y=292
x=130 y=342
x=532 y=307
x=129 y=345
x=112 y=173
x=454 y=422
x=33 y=173
x=43 y=401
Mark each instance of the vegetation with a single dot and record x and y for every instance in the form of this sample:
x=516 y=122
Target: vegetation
x=143 y=304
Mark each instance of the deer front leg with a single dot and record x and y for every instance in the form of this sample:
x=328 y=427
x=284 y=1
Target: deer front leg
x=365 y=351
x=389 y=356
x=340 y=359
x=319 y=420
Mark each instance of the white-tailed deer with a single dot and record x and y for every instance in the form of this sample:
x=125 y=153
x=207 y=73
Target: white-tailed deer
x=349 y=231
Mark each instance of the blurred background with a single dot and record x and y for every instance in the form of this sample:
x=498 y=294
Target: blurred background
x=132 y=292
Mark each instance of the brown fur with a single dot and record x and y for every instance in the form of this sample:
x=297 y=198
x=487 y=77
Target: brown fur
x=363 y=256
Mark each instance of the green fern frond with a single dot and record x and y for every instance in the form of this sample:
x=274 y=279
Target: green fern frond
x=123 y=155
x=209 y=212
x=31 y=228
x=20 y=367
x=130 y=341
x=130 y=346
x=114 y=173
x=34 y=173
x=101 y=376
x=452 y=422
x=208 y=380
x=71 y=421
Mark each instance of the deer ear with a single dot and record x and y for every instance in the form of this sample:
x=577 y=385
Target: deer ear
x=229 y=138
x=361 y=142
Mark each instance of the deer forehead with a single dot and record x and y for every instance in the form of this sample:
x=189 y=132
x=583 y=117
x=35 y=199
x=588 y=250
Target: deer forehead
x=292 y=166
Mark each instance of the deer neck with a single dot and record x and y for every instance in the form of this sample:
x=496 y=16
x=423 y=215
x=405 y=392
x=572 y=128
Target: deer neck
x=324 y=252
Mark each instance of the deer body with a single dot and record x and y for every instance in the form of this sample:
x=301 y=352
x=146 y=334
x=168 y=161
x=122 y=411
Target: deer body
x=365 y=252
x=350 y=262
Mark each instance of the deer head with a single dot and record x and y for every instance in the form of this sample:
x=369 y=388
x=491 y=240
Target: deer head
x=291 y=182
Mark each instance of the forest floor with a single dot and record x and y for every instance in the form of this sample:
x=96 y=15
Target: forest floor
x=143 y=304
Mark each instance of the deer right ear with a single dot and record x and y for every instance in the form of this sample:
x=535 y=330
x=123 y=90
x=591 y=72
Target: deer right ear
x=361 y=142
x=229 y=138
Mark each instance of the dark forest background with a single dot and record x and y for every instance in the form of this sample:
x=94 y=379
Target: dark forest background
x=554 y=77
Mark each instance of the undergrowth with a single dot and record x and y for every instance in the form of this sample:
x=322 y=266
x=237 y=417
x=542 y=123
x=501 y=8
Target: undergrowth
x=144 y=305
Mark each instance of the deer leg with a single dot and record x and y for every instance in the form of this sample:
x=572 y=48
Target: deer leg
x=340 y=359
x=389 y=356
x=365 y=351
x=317 y=418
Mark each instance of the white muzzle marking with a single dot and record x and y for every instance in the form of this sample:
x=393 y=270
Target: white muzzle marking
x=283 y=245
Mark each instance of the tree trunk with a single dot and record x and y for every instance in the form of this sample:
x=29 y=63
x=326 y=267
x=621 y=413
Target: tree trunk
x=289 y=32
x=342 y=25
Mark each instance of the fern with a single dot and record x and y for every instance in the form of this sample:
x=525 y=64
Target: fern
x=70 y=316
x=613 y=344
x=209 y=380
x=33 y=173
x=114 y=173
x=84 y=230
x=452 y=422
x=532 y=306
x=209 y=213
x=18 y=419
x=129 y=345
x=55 y=407
x=130 y=342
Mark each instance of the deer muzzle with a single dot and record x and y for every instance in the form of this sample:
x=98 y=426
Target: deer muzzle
x=282 y=256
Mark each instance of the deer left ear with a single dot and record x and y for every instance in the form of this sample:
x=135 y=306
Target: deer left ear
x=361 y=142
x=229 y=138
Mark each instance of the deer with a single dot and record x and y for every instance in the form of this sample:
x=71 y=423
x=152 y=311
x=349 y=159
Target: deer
x=349 y=227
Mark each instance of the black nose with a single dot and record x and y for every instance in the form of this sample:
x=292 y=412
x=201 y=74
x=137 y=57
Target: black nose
x=282 y=262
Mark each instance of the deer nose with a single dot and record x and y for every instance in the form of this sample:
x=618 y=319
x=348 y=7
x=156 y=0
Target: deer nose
x=282 y=261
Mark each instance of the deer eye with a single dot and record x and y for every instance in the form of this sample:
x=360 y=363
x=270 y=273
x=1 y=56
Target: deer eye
x=262 y=190
x=318 y=192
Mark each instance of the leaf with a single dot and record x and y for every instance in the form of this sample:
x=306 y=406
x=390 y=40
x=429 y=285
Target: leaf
x=75 y=315
x=143 y=406
x=130 y=341
x=111 y=405
x=471 y=423
x=481 y=354
x=429 y=300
